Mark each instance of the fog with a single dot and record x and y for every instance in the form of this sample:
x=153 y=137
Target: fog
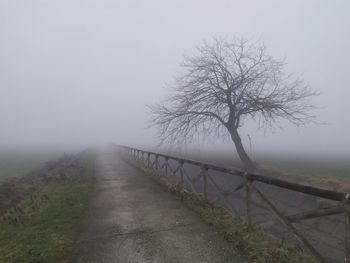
x=77 y=73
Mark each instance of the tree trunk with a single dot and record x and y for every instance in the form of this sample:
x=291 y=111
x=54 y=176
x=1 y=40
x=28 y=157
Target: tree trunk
x=248 y=164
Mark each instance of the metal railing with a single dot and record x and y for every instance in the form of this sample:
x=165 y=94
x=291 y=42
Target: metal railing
x=223 y=186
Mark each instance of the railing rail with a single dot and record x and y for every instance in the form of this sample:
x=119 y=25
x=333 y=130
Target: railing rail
x=248 y=180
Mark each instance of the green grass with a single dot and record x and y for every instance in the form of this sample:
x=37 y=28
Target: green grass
x=252 y=242
x=44 y=226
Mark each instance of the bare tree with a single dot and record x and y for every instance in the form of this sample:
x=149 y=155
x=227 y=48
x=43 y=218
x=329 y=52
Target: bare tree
x=225 y=83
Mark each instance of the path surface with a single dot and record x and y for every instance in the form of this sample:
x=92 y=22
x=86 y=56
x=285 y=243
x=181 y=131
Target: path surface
x=131 y=219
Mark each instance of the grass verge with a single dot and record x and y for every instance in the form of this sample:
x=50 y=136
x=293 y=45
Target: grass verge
x=44 y=226
x=253 y=243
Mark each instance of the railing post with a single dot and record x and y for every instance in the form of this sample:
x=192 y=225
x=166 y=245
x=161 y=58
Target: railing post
x=289 y=225
x=248 y=199
x=181 y=173
x=148 y=160
x=156 y=162
x=166 y=166
x=205 y=182
x=347 y=232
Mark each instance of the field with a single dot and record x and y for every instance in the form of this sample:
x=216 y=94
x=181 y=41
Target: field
x=18 y=164
x=330 y=168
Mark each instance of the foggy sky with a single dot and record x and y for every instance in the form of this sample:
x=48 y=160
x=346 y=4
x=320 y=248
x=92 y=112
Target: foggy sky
x=75 y=73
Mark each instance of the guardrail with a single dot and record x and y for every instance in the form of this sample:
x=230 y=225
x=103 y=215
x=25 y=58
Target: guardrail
x=254 y=184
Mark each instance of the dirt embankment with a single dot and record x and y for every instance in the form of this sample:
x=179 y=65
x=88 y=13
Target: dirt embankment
x=13 y=190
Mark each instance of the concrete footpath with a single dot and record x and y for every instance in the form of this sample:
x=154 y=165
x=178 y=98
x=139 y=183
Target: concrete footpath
x=132 y=219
